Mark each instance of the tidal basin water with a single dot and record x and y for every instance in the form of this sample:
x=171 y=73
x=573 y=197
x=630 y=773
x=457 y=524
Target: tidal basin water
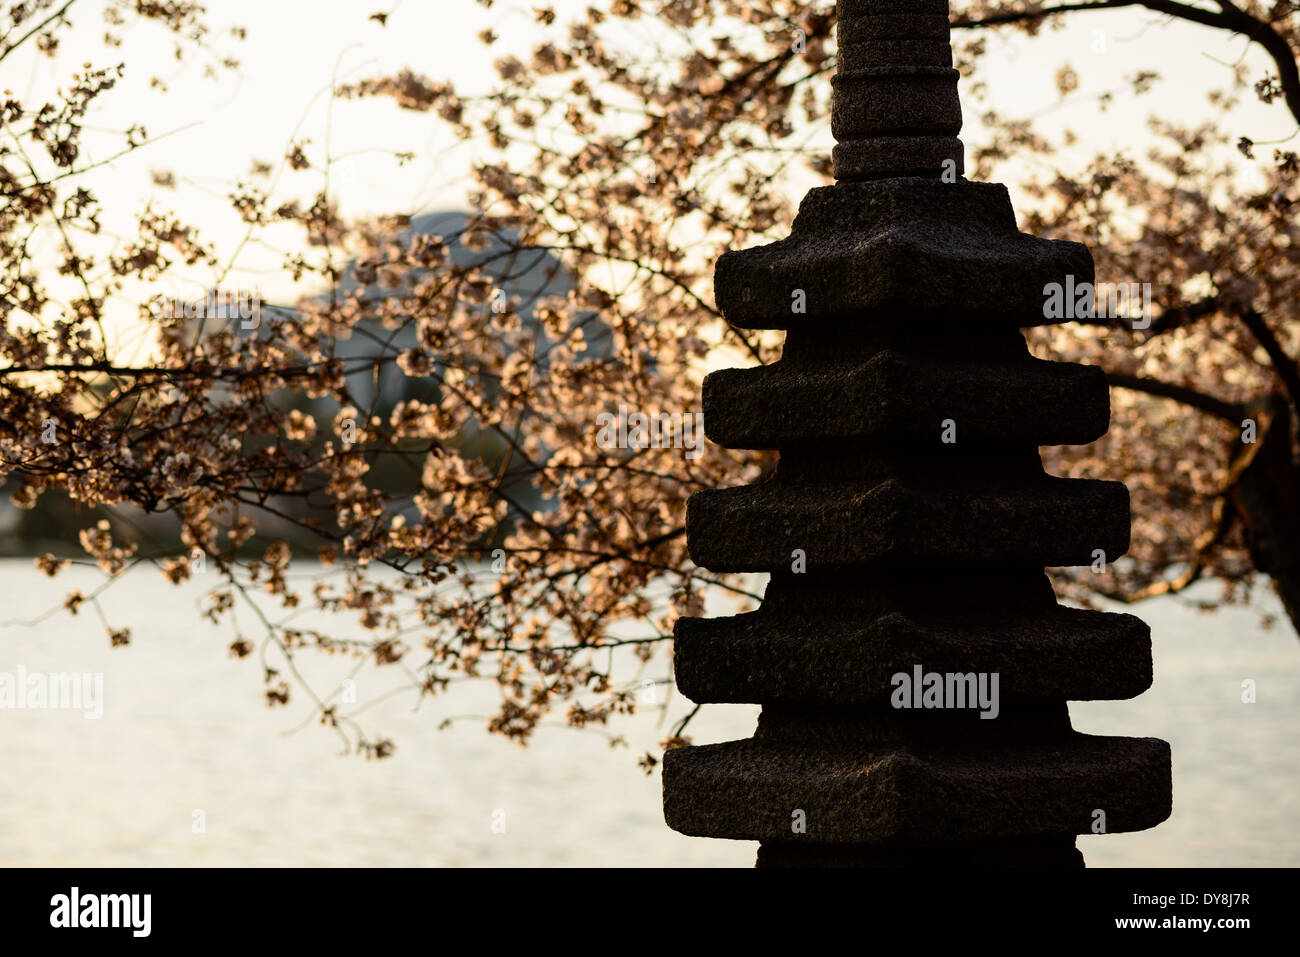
x=185 y=738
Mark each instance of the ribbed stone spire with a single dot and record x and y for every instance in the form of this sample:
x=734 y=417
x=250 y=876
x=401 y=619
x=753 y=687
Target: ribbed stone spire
x=909 y=520
x=896 y=110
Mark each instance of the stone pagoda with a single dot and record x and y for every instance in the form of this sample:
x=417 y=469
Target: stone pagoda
x=909 y=520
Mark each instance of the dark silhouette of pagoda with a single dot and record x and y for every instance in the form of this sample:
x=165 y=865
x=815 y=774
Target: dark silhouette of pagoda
x=909 y=520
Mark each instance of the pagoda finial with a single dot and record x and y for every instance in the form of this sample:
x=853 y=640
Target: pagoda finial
x=895 y=111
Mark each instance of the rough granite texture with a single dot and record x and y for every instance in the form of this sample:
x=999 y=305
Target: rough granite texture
x=900 y=396
x=909 y=519
x=913 y=246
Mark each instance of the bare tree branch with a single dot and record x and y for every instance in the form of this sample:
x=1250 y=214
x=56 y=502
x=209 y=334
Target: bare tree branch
x=1228 y=411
